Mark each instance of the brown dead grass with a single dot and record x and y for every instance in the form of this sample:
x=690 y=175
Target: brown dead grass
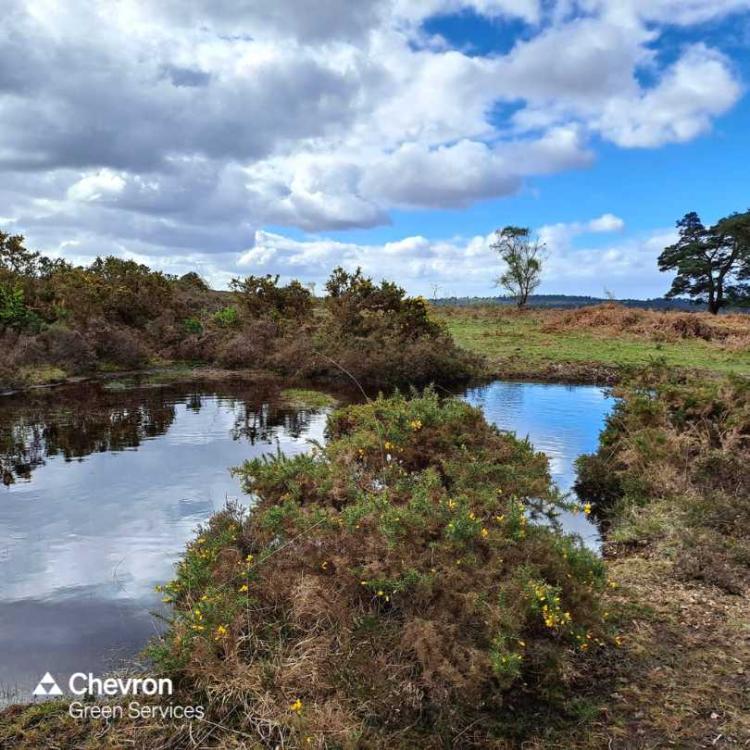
x=687 y=649
x=667 y=326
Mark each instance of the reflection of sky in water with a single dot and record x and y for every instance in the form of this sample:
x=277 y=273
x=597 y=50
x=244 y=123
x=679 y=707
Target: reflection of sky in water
x=563 y=421
x=83 y=543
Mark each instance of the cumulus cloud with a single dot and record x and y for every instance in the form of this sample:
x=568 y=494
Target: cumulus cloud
x=558 y=237
x=182 y=128
x=681 y=106
x=606 y=223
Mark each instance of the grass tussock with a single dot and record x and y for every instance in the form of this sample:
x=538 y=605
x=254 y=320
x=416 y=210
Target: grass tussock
x=387 y=590
x=304 y=398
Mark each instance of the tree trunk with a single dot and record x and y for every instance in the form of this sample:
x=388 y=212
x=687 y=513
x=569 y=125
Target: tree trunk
x=717 y=299
x=713 y=306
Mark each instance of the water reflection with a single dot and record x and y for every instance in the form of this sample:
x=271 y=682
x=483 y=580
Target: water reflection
x=103 y=490
x=563 y=421
x=76 y=422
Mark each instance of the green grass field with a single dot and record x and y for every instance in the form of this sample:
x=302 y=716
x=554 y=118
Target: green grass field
x=516 y=344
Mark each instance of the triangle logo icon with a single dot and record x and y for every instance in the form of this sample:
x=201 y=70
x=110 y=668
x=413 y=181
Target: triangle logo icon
x=47 y=686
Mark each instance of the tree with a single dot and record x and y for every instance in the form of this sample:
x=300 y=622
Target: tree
x=523 y=256
x=15 y=259
x=712 y=264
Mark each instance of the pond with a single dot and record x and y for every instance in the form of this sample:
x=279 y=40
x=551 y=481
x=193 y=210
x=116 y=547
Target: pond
x=563 y=421
x=104 y=486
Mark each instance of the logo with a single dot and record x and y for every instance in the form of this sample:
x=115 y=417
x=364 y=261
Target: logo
x=81 y=683
x=47 y=686
x=86 y=684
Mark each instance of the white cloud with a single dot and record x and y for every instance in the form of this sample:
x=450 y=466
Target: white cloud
x=606 y=223
x=187 y=125
x=625 y=267
x=95 y=186
x=698 y=87
x=678 y=12
x=558 y=237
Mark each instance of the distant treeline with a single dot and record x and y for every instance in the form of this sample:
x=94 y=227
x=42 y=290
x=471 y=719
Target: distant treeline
x=575 y=300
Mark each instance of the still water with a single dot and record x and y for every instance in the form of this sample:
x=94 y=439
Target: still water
x=103 y=487
x=562 y=421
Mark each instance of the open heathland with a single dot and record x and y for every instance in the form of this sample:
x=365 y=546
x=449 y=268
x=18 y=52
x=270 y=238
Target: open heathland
x=593 y=344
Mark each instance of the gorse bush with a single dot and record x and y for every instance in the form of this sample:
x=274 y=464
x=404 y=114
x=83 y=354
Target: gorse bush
x=389 y=589
x=383 y=337
x=373 y=333
x=261 y=296
x=359 y=307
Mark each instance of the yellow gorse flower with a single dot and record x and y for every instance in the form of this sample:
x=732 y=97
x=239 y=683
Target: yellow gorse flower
x=296 y=706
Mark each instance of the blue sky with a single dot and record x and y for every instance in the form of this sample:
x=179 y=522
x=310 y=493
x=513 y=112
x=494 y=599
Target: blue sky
x=391 y=134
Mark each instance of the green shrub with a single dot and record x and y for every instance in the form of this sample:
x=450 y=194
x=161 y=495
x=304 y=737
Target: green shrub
x=384 y=338
x=227 y=317
x=193 y=326
x=359 y=307
x=132 y=293
x=13 y=310
x=386 y=590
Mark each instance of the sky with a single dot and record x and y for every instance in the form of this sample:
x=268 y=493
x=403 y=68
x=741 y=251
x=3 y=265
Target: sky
x=238 y=137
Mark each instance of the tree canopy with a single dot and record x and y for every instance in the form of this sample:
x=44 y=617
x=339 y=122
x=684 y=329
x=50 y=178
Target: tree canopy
x=712 y=264
x=523 y=255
